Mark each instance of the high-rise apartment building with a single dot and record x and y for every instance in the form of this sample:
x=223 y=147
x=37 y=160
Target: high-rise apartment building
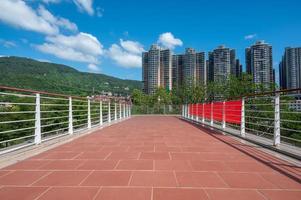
x=238 y=68
x=222 y=63
x=177 y=70
x=189 y=68
x=156 y=69
x=259 y=63
x=290 y=68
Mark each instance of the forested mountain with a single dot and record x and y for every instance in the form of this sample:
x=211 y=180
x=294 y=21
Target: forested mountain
x=32 y=74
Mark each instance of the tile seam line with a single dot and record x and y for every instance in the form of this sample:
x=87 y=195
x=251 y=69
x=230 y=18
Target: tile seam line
x=39 y=196
x=97 y=193
x=84 y=179
x=44 y=176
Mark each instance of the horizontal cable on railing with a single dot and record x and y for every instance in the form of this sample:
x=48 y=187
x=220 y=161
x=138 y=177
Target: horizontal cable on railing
x=15 y=139
x=17 y=121
x=14 y=103
x=259 y=131
x=53 y=111
x=255 y=117
x=17 y=95
x=61 y=117
x=259 y=124
x=80 y=115
x=51 y=131
x=59 y=105
x=17 y=130
x=288 y=129
x=18 y=112
x=55 y=98
x=59 y=123
x=262 y=111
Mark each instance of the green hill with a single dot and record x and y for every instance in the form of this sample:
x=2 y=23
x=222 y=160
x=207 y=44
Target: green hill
x=31 y=74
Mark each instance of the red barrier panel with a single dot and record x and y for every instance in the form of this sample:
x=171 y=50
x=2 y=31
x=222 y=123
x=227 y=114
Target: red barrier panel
x=195 y=109
x=192 y=109
x=233 y=111
x=218 y=111
x=200 y=110
x=207 y=110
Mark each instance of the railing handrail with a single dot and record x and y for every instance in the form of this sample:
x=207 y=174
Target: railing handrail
x=102 y=98
x=268 y=93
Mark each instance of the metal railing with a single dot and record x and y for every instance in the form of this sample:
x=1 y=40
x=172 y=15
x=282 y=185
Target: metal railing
x=30 y=117
x=271 y=118
x=161 y=109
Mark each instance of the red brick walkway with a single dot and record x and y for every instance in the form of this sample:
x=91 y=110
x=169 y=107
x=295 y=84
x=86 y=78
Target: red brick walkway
x=152 y=158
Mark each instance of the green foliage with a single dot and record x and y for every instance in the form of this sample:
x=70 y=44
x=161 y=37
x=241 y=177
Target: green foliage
x=31 y=74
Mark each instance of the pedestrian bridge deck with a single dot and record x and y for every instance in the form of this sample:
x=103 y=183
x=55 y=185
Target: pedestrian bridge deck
x=152 y=158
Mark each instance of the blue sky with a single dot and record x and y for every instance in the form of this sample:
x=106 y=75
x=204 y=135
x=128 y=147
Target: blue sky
x=108 y=36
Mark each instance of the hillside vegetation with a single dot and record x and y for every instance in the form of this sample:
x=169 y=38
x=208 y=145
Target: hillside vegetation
x=32 y=74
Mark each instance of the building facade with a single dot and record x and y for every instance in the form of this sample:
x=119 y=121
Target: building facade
x=177 y=70
x=189 y=69
x=156 y=69
x=259 y=63
x=290 y=68
x=222 y=64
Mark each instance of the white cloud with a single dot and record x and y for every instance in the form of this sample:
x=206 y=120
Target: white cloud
x=7 y=43
x=85 y=5
x=58 y=21
x=251 y=36
x=127 y=54
x=132 y=46
x=93 y=68
x=169 y=41
x=51 y=1
x=17 y=13
x=82 y=47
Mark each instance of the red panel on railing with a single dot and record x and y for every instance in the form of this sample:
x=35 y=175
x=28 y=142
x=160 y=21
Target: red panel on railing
x=207 y=110
x=218 y=111
x=193 y=109
x=200 y=109
x=233 y=111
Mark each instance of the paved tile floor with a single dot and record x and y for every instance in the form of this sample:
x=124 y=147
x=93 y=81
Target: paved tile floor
x=152 y=158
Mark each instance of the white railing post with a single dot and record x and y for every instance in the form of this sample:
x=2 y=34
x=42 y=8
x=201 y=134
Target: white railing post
x=277 y=137
x=186 y=111
x=130 y=110
x=224 y=115
x=38 y=138
x=203 y=113
x=243 y=122
x=89 y=113
x=124 y=111
x=120 y=111
x=109 y=111
x=211 y=114
x=70 y=127
x=100 y=113
x=189 y=117
x=197 y=112
x=115 y=111
x=127 y=110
